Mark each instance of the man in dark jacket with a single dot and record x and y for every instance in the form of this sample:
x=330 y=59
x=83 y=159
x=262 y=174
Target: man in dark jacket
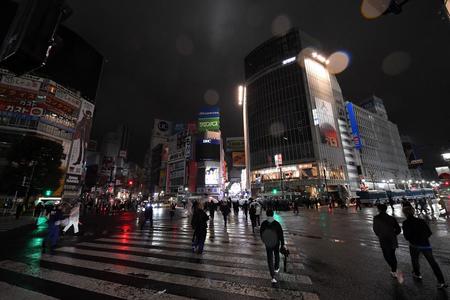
x=272 y=236
x=54 y=220
x=225 y=209
x=199 y=224
x=386 y=228
x=417 y=232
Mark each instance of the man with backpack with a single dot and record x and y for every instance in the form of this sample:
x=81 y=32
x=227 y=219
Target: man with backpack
x=273 y=238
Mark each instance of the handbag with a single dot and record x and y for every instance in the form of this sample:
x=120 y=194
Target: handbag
x=285 y=252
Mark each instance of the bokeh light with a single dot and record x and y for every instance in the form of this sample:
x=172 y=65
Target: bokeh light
x=303 y=54
x=281 y=25
x=372 y=9
x=211 y=97
x=395 y=63
x=338 y=62
x=184 y=45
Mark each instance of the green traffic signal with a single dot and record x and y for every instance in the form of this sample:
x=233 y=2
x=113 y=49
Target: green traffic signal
x=48 y=193
x=274 y=191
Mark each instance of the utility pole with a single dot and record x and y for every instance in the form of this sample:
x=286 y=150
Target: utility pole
x=33 y=163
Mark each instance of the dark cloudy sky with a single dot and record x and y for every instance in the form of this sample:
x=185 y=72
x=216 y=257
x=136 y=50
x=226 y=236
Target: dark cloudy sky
x=164 y=55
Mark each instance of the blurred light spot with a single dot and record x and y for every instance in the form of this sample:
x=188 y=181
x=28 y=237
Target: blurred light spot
x=276 y=129
x=211 y=97
x=338 y=62
x=303 y=54
x=372 y=9
x=396 y=63
x=281 y=25
x=184 y=45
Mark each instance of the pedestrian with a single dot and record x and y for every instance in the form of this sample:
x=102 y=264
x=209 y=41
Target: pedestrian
x=430 y=203
x=417 y=233
x=443 y=206
x=272 y=235
x=54 y=220
x=386 y=228
x=245 y=209
x=212 y=209
x=38 y=209
x=296 y=206
x=148 y=215
x=200 y=224
x=423 y=205
x=391 y=203
x=74 y=219
x=236 y=207
x=358 y=203
x=172 y=211
x=405 y=202
x=225 y=209
x=252 y=212
x=259 y=208
x=19 y=210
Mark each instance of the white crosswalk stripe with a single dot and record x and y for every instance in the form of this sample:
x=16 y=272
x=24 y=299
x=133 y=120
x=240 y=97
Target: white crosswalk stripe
x=159 y=263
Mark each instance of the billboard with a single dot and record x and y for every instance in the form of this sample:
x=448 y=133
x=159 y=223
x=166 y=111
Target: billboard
x=81 y=138
x=354 y=126
x=209 y=119
x=235 y=144
x=327 y=127
x=162 y=128
x=238 y=159
x=212 y=175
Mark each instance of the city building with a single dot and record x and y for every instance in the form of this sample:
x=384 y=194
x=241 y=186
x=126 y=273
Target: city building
x=291 y=126
x=31 y=105
x=235 y=163
x=383 y=162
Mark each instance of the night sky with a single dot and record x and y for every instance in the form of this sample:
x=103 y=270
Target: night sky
x=163 y=57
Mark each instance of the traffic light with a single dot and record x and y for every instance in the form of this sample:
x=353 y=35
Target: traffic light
x=130 y=182
x=274 y=191
x=48 y=193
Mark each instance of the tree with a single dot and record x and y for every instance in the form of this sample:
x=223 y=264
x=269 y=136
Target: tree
x=32 y=157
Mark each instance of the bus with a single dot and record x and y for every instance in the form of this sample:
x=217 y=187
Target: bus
x=396 y=195
x=420 y=193
x=372 y=197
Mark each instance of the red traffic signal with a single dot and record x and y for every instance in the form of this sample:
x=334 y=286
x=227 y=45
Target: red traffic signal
x=130 y=182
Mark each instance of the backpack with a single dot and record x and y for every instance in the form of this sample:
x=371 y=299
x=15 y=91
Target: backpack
x=269 y=237
x=253 y=209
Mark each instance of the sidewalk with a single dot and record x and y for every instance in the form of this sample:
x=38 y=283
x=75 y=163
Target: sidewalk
x=9 y=224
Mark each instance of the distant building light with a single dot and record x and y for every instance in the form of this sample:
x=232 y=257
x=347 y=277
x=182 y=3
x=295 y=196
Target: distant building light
x=207 y=141
x=289 y=60
x=320 y=58
x=446 y=156
x=242 y=94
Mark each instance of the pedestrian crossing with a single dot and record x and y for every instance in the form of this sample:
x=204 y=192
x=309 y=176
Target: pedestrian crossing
x=158 y=263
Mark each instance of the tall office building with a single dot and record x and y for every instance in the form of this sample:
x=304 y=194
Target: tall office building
x=379 y=144
x=292 y=132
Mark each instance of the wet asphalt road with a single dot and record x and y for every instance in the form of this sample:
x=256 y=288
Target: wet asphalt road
x=338 y=249
x=343 y=258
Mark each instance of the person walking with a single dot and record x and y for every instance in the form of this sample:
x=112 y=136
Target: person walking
x=386 y=228
x=252 y=212
x=19 y=210
x=74 y=219
x=258 y=207
x=148 y=215
x=391 y=203
x=199 y=224
x=358 y=204
x=212 y=209
x=423 y=205
x=417 y=233
x=54 y=220
x=225 y=209
x=430 y=204
x=295 y=210
x=272 y=235
x=172 y=211
x=245 y=210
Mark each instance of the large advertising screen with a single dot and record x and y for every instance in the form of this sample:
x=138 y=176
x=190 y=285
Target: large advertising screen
x=207 y=149
x=212 y=176
x=327 y=128
x=81 y=138
x=209 y=119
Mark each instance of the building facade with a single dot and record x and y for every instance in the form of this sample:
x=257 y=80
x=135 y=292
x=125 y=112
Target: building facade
x=378 y=142
x=291 y=113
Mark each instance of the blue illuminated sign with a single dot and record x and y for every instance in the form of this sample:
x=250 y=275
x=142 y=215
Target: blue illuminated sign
x=353 y=125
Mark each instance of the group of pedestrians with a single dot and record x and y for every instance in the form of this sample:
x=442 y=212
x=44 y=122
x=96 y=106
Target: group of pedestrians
x=416 y=232
x=271 y=231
